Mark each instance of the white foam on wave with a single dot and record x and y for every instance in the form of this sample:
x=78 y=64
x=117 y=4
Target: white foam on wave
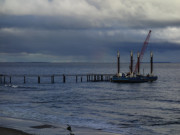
x=14 y=86
x=10 y=85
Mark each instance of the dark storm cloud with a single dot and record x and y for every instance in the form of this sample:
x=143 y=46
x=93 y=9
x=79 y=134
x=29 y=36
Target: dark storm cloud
x=73 y=42
x=55 y=43
x=42 y=22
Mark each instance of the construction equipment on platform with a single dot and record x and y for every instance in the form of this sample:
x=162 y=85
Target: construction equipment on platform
x=143 y=49
x=135 y=76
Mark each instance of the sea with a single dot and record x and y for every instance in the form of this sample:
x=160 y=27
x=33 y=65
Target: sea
x=124 y=108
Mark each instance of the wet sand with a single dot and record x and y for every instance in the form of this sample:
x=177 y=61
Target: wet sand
x=10 y=131
x=12 y=126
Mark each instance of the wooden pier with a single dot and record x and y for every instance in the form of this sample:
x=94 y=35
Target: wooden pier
x=55 y=78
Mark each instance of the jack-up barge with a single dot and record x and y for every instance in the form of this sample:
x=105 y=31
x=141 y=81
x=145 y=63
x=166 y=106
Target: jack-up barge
x=135 y=76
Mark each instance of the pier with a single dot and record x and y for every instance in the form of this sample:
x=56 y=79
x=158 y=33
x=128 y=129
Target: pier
x=54 y=78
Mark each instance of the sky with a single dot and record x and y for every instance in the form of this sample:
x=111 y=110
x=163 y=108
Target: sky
x=88 y=30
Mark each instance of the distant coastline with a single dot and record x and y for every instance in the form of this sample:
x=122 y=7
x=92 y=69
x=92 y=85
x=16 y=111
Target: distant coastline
x=90 y=62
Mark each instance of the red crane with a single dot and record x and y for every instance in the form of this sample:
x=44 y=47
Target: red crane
x=143 y=49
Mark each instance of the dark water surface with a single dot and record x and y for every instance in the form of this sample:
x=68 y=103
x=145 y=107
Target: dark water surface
x=129 y=109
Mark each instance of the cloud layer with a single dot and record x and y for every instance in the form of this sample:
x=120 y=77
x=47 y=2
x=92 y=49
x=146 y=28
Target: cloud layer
x=87 y=30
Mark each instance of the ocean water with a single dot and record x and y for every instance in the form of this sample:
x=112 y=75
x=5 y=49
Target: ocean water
x=129 y=109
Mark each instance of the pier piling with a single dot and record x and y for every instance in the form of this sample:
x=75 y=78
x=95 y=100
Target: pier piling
x=76 y=78
x=151 y=63
x=39 y=79
x=64 y=78
x=101 y=77
x=118 y=63
x=52 y=79
x=131 y=66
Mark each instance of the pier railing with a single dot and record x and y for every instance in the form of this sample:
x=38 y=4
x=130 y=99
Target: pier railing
x=53 y=78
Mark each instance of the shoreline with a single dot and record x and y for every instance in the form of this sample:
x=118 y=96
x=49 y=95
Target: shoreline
x=14 y=126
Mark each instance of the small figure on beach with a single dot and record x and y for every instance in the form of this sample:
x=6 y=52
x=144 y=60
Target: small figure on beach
x=70 y=130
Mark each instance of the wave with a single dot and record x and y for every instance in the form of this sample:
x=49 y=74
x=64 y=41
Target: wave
x=19 y=86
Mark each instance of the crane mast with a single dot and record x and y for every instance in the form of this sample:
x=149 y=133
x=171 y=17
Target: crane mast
x=143 y=50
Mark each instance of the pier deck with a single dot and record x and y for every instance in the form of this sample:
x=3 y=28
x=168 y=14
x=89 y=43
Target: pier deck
x=53 y=78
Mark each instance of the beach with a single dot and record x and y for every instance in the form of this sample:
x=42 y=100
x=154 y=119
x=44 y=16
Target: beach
x=13 y=126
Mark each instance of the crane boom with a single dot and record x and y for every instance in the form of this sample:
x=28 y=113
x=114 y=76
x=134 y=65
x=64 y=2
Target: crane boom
x=143 y=49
